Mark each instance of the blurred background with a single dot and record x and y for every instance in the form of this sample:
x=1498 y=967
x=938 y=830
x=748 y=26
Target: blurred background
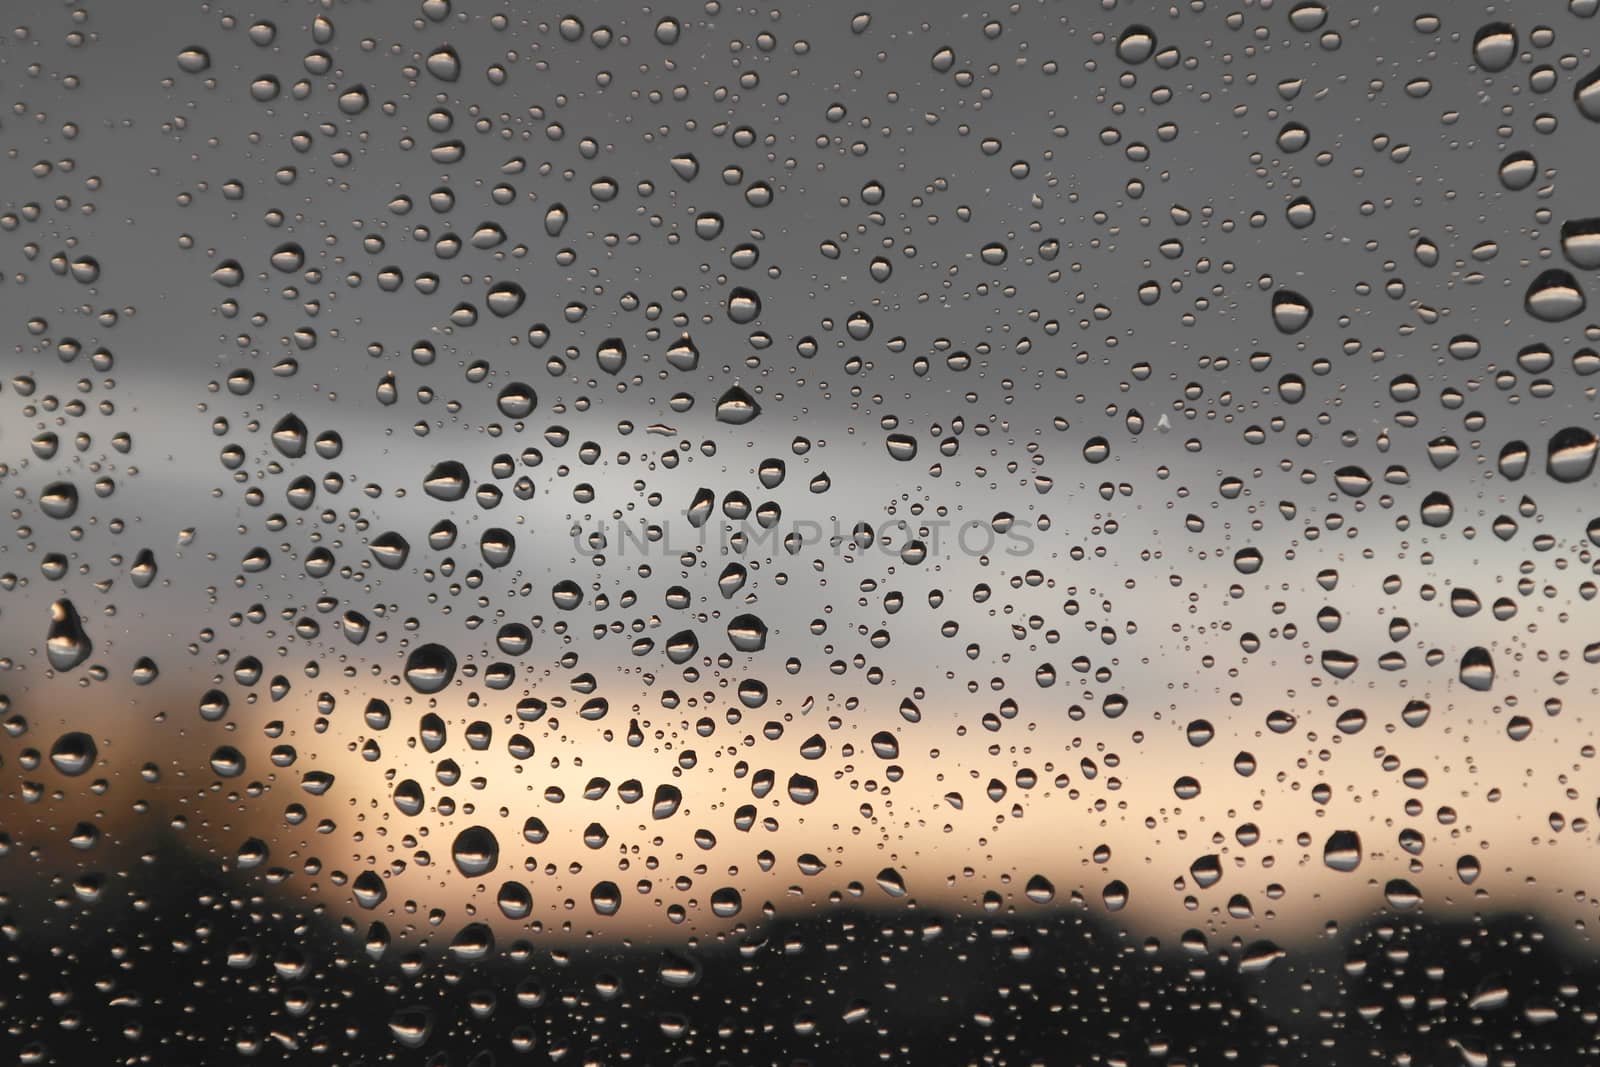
x=1047 y=535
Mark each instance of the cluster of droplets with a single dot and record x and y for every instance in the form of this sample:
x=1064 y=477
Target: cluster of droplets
x=722 y=464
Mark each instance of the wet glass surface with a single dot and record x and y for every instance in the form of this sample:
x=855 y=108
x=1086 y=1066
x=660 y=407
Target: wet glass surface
x=1058 y=534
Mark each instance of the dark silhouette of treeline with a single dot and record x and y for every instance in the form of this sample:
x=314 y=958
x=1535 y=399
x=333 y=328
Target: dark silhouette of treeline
x=171 y=963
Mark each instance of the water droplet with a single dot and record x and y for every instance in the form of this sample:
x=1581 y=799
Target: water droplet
x=1494 y=46
x=737 y=407
x=475 y=851
x=66 y=643
x=1477 y=669
x=194 y=60
x=430 y=667
x=1554 y=296
x=1136 y=44
x=73 y=753
x=1342 y=851
x=1291 y=312
x=1571 y=454
x=1580 y=242
x=59 y=500
x=902 y=447
x=1586 y=94
x=605 y=898
x=1402 y=895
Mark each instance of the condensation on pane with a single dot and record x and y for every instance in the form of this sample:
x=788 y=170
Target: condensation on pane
x=710 y=534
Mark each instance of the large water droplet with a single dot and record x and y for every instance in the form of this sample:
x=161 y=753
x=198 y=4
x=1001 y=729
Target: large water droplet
x=1580 y=242
x=1477 y=669
x=1136 y=44
x=737 y=407
x=73 y=753
x=430 y=667
x=475 y=851
x=1494 y=46
x=1342 y=851
x=1554 y=296
x=66 y=643
x=1571 y=454
x=1291 y=312
x=1586 y=94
